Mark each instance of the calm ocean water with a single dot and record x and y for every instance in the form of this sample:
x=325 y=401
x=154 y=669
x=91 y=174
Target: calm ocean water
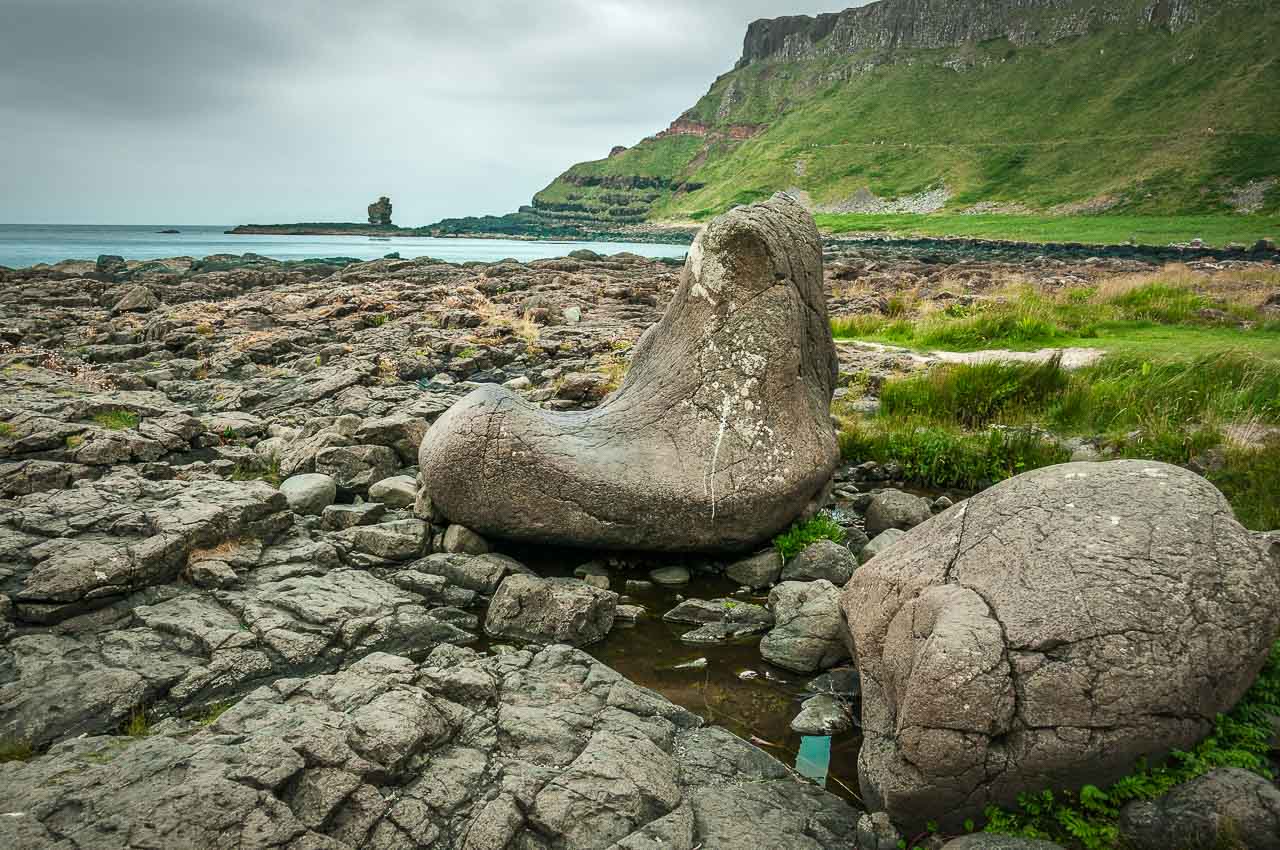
x=28 y=244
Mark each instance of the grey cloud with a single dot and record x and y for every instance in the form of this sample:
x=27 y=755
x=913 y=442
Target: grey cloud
x=185 y=111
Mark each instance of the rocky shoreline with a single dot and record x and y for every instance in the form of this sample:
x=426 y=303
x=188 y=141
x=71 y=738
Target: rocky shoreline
x=230 y=617
x=638 y=233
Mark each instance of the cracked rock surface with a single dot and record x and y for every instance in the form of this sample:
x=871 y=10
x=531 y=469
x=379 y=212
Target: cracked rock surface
x=718 y=437
x=1049 y=632
x=463 y=750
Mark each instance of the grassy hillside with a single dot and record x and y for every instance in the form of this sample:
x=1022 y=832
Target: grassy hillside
x=1136 y=122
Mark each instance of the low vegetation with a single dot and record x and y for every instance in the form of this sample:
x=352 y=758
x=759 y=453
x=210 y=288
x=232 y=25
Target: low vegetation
x=213 y=712
x=1216 y=231
x=138 y=725
x=950 y=457
x=969 y=426
x=15 y=749
x=1126 y=313
x=117 y=420
x=1089 y=818
x=821 y=527
x=269 y=472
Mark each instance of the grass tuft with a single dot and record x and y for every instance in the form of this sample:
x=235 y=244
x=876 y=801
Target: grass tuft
x=249 y=472
x=137 y=725
x=213 y=712
x=794 y=540
x=117 y=420
x=15 y=749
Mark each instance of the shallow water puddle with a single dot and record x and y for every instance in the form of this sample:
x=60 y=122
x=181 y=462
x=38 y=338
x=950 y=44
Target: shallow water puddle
x=728 y=684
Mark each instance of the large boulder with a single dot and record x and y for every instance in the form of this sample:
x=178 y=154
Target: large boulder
x=1051 y=631
x=550 y=610
x=717 y=439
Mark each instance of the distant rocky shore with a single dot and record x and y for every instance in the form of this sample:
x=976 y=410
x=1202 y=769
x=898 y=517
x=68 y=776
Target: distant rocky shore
x=630 y=233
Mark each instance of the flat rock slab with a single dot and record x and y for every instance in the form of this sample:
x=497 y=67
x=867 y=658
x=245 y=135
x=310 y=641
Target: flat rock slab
x=76 y=550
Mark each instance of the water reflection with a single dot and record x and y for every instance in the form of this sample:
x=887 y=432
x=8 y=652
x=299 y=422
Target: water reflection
x=728 y=684
x=814 y=758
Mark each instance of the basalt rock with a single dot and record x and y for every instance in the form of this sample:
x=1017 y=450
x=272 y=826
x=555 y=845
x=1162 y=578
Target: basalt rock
x=380 y=212
x=518 y=750
x=1052 y=631
x=717 y=439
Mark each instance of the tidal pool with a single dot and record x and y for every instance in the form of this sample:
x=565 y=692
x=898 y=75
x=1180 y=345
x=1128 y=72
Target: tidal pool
x=728 y=684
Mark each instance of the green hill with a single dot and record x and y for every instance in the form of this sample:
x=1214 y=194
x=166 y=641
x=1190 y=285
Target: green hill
x=1062 y=107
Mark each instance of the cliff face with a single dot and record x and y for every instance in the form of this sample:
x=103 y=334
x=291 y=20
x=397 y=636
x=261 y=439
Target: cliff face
x=1062 y=106
x=933 y=24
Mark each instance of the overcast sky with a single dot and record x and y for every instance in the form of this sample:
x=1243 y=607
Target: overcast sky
x=193 y=111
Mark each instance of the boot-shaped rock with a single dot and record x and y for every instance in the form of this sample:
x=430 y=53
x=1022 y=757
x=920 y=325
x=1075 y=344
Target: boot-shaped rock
x=718 y=438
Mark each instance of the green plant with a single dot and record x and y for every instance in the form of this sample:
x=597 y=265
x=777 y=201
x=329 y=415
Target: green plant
x=213 y=712
x=74 y=442
x=118 y=419
x=1250 y=479
x=973 y=395
x=948 y=457
x=204 y=329
x=137 y=725
x=6 y=431
x=376 y=320
x=15 y=749
x=821 y=527
x=1089 y=816
x=468 y=352
x=269 y=473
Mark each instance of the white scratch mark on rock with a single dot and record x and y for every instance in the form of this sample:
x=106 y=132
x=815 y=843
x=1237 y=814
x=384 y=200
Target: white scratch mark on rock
x=725 y=407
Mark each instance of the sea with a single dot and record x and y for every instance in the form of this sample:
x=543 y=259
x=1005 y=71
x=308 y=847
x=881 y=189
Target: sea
x=29 y=244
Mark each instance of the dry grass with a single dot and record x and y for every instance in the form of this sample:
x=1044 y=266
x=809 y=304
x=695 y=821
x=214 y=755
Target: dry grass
x=614 y=370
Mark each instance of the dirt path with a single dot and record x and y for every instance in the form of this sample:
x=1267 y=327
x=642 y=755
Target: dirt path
x=1072 y=358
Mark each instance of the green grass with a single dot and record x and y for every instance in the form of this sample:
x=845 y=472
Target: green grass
x=975 y=395
x=137 y=725
x=948 y=456
x=1118 y=393
x=15 y=749
x=269 y=473
x=1089 y=817
x=1215 y=230
x=1250 y=479
x=1156 y=317
x=969 y=426
x=213 y=712
x=794 y=540
x=117 y=420
x=6 y=431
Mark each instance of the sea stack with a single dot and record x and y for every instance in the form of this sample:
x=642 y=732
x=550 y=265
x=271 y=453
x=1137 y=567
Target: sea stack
x=380 y=212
